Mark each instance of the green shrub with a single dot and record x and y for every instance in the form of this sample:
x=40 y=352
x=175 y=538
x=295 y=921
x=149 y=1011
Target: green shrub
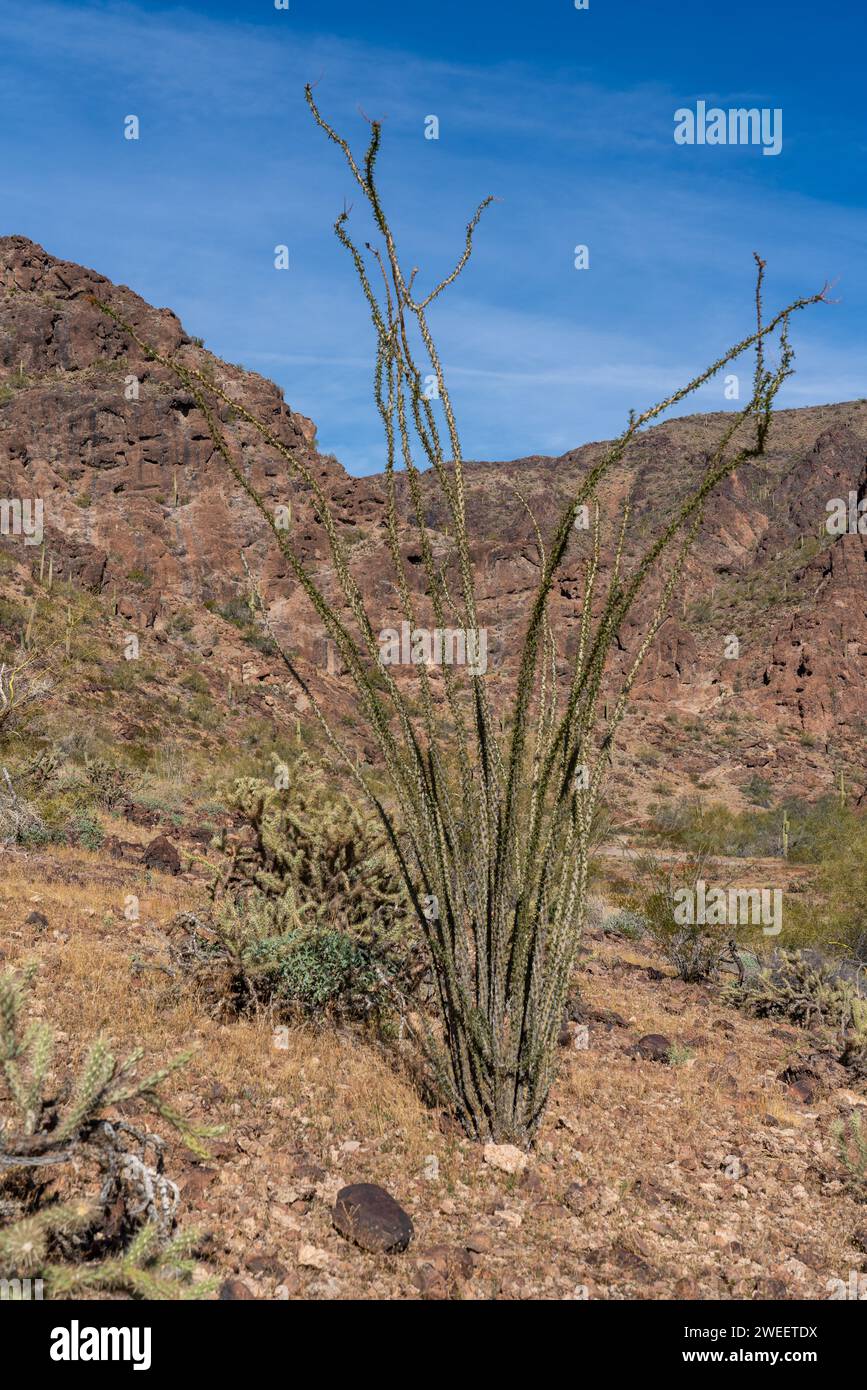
x=694 y=949
x=702 y=827
x=625 y=923
x=326 y=971
x=87 y=832
x=248 y=956
x=195 y=682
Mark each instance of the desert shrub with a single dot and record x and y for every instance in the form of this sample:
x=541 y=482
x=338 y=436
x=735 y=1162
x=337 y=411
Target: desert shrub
x=121 y=1236
x=320 y=972
x=758 y=790
x=852 y=1151
x=25 y=685
x=495 y=860
x=87 y=831
x=20 y=823
x=140 y=577
x=710 y=827
x=835 y=908
x=626 y=923
x=246 y=955
x=195 y=682
x=112 y=784
x=803 y=991
x=695 y=949
x=58 y=810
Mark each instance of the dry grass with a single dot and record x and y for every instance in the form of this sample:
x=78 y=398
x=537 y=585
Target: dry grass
x=660 y=1219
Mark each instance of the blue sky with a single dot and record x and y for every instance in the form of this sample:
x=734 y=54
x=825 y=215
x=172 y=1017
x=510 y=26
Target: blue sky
x=566 y=116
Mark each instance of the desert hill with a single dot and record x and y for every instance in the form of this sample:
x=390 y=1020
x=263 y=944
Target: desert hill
x=140 y=511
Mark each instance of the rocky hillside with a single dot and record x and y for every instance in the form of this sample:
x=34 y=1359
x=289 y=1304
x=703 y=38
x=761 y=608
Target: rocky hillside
x=140 y=510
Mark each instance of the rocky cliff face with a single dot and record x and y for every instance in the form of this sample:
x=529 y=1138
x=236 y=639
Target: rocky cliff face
x=139 y=508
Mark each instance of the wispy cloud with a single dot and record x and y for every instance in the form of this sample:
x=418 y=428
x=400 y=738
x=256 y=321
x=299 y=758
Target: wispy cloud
x=541 y=356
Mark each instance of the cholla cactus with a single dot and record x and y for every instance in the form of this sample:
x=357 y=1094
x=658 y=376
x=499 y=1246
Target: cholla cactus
x=40 y=1129
x=38 y=1132
x=855 y=1049
x=148 y=1268
x=317 y=852
x=113 y=785
x=310 y=913
x=801 y=991
x=852 y=1150
x=24 y=1244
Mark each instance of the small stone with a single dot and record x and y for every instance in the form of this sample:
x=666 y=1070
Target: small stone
x=370 y=1217
x=850 y=1099
x=805 y=1090
x=36 y=919
x=574 y=1035
x=439 y=1270
x=479 y=1243
x=734 y=1167
x=653 y=1047
x=431 y=1170
x=194 y=1187
x=507 y=1158
x=235 y=1290
x=510 y=1217
x=579 y=1197
x=771 y=1289
x=266 y=1264
x=313 y=1258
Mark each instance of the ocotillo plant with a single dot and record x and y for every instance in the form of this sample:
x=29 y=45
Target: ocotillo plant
x=495 y=858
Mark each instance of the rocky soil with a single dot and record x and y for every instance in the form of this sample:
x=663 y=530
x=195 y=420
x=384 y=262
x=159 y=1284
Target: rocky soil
x=703 y=1171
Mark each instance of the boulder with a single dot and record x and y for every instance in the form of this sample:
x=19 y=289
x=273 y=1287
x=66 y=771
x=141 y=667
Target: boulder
x=161 y=854
x=371 y=1218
